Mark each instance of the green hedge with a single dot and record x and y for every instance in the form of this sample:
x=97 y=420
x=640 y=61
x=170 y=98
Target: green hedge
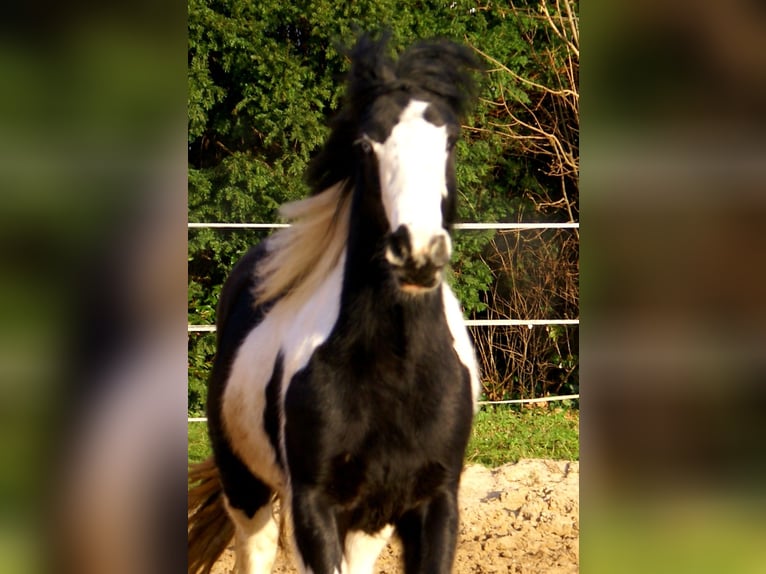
x=263 y=78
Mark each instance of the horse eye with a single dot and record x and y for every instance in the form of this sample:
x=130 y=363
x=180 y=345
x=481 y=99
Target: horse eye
x=365 y=143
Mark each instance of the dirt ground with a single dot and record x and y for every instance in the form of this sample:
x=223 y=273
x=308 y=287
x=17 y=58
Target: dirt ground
x=520 y=518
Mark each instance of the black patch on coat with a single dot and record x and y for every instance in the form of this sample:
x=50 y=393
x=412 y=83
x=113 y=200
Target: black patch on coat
x=378 y=421
x=272 y=416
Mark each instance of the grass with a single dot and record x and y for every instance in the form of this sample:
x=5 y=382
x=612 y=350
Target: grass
x=504 y=434
x=199 y=444
x=501 y=434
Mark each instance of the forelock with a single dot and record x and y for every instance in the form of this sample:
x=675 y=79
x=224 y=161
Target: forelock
x=436 y=67
x=442 y=68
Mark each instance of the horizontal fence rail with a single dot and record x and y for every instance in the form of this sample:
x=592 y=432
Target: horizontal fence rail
x=480 y=226
x=480 y=403
x=469 y=322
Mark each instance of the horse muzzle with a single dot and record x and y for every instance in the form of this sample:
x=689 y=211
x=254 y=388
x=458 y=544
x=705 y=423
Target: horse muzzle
x=418 y=260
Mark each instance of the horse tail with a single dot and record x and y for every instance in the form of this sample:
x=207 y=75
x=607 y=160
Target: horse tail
x=210 y=530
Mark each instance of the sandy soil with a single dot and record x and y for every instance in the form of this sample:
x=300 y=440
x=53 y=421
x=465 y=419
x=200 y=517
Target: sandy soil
x=520 y=518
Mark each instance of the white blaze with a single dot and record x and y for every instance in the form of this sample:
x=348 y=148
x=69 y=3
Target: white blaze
x=412 y=166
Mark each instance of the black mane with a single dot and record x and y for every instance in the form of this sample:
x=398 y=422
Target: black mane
x=432 y=68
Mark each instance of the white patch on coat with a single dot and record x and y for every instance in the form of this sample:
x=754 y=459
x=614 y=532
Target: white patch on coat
x=256 y=539
x=461 y=341
x=361 y=550
x=295 y=326
x=412 y=165
x=244 y=401
x=308 y=325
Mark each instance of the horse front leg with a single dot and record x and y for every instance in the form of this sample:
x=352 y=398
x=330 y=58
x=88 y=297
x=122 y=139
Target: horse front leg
x=315 y=531
x=256 y=540
x=429 y=535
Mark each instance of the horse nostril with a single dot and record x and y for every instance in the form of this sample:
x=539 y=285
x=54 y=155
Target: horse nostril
x=439 y=251
x=398 y=246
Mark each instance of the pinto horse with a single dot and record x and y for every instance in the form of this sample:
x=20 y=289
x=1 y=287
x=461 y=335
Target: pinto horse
x=345 y=382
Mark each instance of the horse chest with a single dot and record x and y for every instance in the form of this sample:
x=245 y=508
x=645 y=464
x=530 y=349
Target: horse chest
x=377 y=440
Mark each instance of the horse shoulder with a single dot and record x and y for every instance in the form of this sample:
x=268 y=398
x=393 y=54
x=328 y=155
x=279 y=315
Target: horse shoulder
x=246 y=361
x=269 y=355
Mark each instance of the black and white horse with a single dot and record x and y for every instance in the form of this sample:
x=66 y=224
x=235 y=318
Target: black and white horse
x=345 y=381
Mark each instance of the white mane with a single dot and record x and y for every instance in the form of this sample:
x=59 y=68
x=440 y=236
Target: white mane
x=300 y=256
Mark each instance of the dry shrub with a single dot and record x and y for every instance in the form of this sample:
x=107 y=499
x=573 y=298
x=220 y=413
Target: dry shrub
x=536 y=278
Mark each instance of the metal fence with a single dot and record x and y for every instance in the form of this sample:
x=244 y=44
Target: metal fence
x=469 y=322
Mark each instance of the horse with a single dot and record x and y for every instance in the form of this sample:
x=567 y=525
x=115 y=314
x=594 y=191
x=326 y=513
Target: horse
x=345 y=382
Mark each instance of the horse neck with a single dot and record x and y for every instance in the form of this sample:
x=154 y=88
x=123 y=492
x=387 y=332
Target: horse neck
x=365 y=268
x=369 y=296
